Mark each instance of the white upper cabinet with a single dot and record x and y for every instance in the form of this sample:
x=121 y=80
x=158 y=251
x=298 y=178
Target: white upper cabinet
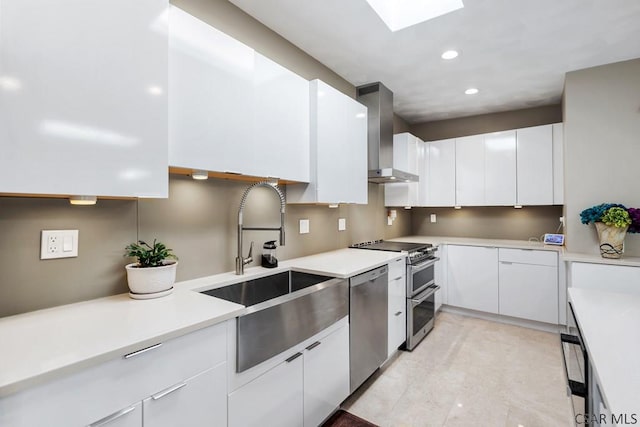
x=535 y=165
x=408 y=154
x=232 y=109
x=439 y=170
x=470 y=171
x=500 y=168
x=558 y=164
x=83 y=107
x=280 y=137
x=338 y=149
x=210 y=94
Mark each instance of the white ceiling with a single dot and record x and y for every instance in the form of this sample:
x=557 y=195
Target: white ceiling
x=515 y=52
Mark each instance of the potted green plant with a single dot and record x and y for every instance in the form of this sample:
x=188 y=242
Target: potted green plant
x=154 y=274
x=612 y=222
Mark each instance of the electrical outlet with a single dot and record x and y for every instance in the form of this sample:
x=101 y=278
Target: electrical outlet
x=58 y=244
x=433 y=217
x=304 y=226
x=342 y=224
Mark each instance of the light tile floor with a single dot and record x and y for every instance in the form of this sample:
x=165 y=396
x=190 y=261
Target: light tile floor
x=470 y=372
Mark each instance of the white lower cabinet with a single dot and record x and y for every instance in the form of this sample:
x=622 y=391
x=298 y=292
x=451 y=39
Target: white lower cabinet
x=198 y=401
x=397 y=307
x=529 y=291
x=273 y=399
x=473 y=277
x=301 y=390
x=186 y=375
x=326 y=376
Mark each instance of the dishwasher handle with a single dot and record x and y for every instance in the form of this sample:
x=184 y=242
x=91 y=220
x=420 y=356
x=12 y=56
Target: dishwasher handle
x=369 y=276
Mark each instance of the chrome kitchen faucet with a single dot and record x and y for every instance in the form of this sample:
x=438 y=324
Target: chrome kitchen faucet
x=240 y=260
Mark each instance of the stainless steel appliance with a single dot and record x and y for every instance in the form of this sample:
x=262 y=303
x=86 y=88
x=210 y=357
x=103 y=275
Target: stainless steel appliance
x=421 y=286
x=368 y=301
x=379 y=102
x=576 y=367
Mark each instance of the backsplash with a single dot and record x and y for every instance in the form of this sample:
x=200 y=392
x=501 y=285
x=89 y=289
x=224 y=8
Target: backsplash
x=488 y=222
x=198 y=221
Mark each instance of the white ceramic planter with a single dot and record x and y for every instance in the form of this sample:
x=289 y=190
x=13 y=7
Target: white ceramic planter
x=151 y=280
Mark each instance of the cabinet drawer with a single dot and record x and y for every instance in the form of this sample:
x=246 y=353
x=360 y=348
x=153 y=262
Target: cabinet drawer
x=529 y=256
x=397 y=269
x=94 y=393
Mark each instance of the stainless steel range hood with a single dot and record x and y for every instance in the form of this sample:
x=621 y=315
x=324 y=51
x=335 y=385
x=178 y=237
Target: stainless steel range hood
x=379 y=101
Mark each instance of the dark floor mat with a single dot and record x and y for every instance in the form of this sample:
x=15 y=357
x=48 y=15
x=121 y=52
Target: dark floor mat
x=344 y=419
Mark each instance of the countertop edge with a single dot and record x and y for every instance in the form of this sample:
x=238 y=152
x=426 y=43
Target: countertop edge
x=40 y=378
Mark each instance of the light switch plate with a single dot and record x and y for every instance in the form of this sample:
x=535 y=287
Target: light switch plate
x=304 y=226
x=59 y=244
x=342 y=224
x=433 y=217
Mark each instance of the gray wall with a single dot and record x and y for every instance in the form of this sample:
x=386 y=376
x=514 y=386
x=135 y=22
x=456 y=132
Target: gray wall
x=233 y=21
x=487 y=222
x=494 y=122
x=602 y=147
x=198 y=221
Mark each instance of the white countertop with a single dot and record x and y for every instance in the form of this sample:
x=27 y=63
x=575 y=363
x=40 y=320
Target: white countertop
x=609 y=323
x=597 y=259
x=46 y=344
x=471 y=241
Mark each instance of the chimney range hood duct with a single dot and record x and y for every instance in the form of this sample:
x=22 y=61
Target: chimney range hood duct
x=379 y=101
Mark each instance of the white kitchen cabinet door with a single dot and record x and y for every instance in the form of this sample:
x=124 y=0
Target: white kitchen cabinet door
x=83 y=100
x=440 y=189
x=535 y=165
x=470 y=171
x=280 y=140
x=197 y=401
x=397 y=307
x=407 y=157
x=326 y=376
x=529 y=291
x=473 y=277
x=355 y=147
x=500 y=168
x=210 y=96
x=275 y=398
x=338 y=149
x=558 y=164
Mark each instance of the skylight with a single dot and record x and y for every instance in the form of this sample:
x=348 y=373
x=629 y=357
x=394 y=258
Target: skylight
x=400 y=14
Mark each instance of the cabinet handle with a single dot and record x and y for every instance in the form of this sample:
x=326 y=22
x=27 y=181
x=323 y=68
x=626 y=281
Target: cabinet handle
x=170 y=390
x=506 y=262
x=294 y=357
x=113 y=417
x=398 y=313
x=144 y=350
x=314 y=345
x=398 y=278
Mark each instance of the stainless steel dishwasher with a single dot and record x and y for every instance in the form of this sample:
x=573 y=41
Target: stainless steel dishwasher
x=368 y=301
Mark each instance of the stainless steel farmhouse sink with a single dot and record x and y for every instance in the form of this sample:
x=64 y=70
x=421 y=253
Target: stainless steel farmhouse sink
x=283 y=310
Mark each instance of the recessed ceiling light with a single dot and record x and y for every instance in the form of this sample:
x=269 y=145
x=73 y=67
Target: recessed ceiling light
x=399 y=14
x=471 y=91
x=450 y=54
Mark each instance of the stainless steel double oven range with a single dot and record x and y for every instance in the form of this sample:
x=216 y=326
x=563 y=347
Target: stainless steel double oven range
x=421 y=286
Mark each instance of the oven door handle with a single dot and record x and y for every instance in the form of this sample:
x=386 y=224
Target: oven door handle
x=575 y=388
x=426 y=264
x=426 y=294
